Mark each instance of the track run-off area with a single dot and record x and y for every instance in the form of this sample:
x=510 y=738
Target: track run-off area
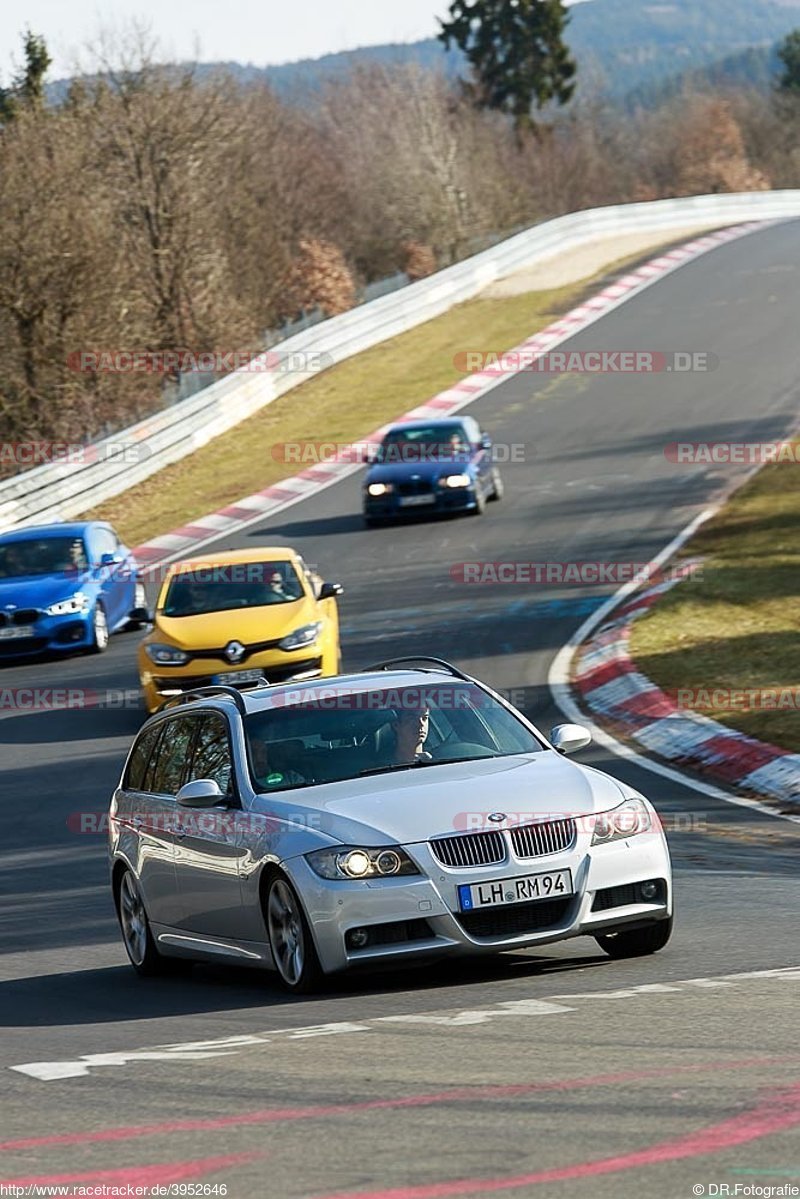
x=550 y=1073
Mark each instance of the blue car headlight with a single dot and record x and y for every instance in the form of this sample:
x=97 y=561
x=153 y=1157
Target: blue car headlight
x=378 y=489
x=462 y=480
x=300 y=638
x=77 y=605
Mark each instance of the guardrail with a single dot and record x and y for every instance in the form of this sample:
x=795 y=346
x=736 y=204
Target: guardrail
x=61 y=490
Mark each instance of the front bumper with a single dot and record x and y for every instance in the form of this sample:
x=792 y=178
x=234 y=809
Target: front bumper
x=425 y=908
x=160 y=683
x=441 y=500
x=51 y=634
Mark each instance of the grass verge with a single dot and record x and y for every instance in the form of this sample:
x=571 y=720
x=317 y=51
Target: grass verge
x=340 y=405
x=739 y=627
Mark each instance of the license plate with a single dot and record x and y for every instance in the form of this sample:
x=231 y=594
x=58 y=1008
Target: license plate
x=239 y=676
x=415 y=501
x=16 y=633
x=556 y=884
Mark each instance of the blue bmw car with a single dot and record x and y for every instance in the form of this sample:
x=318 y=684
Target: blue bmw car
x=431 y=466
x=65 y=587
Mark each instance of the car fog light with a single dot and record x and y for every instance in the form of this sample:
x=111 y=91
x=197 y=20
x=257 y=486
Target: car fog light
x=388 y=862
x=649 y=891
x=357 y=938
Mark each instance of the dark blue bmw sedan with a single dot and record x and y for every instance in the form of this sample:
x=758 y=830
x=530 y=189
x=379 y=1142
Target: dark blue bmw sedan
x=431 y=466
x=65 y=587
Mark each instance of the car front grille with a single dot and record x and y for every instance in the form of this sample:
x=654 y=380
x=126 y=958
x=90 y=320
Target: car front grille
x=470 y=849
x=539 y=840
x=515 y=919
x=21 y=616
x=489 y=848
x=415 y=487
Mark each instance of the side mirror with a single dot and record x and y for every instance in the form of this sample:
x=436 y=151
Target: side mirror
x=330 y=591
x=486 y=441
x=140 y=616
x=569 y=738
x=110 y=560
x=202 y=793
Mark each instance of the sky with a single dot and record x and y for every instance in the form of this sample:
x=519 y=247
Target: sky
x=261 y=32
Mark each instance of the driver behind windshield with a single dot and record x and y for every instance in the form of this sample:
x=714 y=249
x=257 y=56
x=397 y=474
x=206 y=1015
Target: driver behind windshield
x=410 y=726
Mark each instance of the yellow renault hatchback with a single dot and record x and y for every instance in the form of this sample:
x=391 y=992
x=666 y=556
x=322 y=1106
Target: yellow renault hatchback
x=238 y=617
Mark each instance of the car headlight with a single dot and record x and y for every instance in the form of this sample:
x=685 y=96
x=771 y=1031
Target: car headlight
x=455 y=481
x=167 y=655
x=628 y=820
x=77 y=603
x=376 y=489
x=301 y=637
x=349 y=862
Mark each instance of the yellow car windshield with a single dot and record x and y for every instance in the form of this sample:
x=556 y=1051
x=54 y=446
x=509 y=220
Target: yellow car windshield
x=231 y=588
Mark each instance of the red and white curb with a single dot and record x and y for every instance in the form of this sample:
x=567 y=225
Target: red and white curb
x=621 y=696
x=193 y=537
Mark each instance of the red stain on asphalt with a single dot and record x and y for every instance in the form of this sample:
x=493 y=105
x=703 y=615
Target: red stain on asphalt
x=140 y=1176
x=458 y=1095
x=779 y=1111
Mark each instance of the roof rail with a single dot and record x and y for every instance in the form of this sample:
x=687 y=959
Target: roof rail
x=440 y=663
x=234 y=693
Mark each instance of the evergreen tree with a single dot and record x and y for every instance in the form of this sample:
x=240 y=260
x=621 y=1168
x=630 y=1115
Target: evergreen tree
x=789 y=54
x=27 y=89
x=517 y=53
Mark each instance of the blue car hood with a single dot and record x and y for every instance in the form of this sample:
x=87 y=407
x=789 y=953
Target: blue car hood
x=394 y=472
x=40 y=591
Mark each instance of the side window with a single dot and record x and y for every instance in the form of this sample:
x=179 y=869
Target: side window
x=143 y=753
x=174 y=755
x=473 y=430
x=105 y=542
x=212 y=753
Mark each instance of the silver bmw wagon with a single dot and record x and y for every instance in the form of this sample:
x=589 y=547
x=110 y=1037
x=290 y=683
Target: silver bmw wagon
x=406 y=812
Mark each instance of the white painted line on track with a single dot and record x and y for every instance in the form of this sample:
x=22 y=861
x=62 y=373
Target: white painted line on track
x=561 y=1004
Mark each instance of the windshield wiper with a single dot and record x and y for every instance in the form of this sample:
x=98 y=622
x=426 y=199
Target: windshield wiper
x=423 y=762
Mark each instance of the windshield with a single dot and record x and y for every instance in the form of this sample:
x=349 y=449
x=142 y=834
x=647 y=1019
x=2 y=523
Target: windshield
x=436 y=443
x=225 y=588
x=42 y=556
x=327 y=734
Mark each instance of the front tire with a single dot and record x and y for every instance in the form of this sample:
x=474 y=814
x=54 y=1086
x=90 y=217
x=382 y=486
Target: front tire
x=480 y=502
x=99 y=630
x=638 y=943
x=290 y=941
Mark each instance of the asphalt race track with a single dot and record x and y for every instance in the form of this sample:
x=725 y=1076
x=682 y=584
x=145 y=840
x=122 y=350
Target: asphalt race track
x=562 y=1073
